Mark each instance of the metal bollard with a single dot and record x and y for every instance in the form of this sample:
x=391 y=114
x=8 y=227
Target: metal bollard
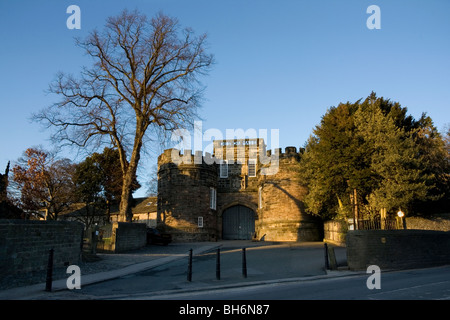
x=189 y=273
x=327 y=267
x=218 y=264
x=49 y=279
x=244 y=263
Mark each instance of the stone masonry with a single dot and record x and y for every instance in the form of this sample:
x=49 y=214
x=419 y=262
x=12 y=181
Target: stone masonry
x=25 y=245
x=397 y=249
x=196 y=192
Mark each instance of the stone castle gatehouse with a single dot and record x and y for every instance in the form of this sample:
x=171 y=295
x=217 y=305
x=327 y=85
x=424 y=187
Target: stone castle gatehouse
x=241 y=191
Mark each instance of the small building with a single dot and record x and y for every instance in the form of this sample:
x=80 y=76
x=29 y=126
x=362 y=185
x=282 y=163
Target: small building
x=143 y=208
x=144 y=211
x=241 y=191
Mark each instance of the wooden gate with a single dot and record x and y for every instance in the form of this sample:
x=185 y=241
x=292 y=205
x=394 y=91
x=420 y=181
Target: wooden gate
x=238 y=223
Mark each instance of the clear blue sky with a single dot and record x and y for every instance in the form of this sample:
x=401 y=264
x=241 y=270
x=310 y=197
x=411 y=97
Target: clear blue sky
x=280 y=64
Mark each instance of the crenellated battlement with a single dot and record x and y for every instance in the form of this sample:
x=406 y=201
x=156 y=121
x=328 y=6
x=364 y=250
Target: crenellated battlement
x=187 y=157
x=201 y=195
x=237 y=150
x=288 y=152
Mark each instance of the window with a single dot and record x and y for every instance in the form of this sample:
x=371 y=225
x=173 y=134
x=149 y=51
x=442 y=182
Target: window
x=260 y=205
x=223 y=168
x=212 y=198
x=200 y=222
x=252 y=167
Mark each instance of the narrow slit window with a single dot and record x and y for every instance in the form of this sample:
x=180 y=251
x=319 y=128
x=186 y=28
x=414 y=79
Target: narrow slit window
x=260 y=204
x=212 y=198
x=252 y=167
x=224 y=169
x=200 y=222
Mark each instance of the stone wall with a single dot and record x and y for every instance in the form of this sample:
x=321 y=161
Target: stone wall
x=397 y=249
x=129 y=236
x=184 y=194
x=185 y=182
x=438 y=222
x=282 y=214
x=335 y=231
x=25 y=245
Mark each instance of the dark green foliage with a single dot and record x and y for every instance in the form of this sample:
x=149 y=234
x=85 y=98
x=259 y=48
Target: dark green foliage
x=99 y=177
x=375 y=149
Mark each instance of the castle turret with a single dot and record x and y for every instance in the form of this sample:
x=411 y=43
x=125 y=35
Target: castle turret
x=281 y=211
x=241 y=191
x=187 y=195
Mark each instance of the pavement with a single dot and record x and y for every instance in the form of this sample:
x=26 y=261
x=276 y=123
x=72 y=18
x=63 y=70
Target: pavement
x=114 y=266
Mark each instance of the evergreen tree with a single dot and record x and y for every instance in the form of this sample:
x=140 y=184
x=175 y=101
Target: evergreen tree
x=98 y=180
x=370 y=155
x=396 y=164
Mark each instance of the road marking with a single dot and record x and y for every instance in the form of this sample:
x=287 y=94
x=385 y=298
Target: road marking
x=425 y=289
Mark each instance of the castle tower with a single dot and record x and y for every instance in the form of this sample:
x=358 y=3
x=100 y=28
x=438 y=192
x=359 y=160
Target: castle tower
x=187 y=195
x=234 y=194
x=239 y=163
x=281 y=211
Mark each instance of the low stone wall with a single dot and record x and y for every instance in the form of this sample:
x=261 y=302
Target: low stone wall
x=25 y=245
x=397 y=249
x=129 y=236
x=335 y=231
x=285 y=230
x=439 y=222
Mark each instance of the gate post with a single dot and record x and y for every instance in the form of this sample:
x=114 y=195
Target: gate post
x=327 y=267
x=244 y=263
x=218 y=264
x=49 y=279
x=189 y=273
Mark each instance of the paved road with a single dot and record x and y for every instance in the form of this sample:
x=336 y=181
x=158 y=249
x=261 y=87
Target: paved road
x=264 y=263
x=420 y=284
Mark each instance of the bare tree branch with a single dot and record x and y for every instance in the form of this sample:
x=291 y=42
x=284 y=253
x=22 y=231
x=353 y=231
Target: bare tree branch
x=146 y=74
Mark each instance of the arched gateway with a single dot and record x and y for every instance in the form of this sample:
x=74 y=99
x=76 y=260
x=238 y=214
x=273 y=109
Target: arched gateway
x=238 y=223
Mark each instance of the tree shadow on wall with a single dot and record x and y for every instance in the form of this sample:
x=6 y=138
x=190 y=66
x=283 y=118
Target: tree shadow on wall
x=312 y=229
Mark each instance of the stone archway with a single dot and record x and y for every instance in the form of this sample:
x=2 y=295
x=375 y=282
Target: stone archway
x=238 y=223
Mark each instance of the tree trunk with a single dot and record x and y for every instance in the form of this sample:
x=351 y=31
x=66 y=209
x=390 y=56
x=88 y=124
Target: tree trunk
x=125 y=209
x=355 y=203
x=108 y=211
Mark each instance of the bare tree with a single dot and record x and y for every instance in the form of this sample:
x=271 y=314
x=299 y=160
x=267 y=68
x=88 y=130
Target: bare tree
x=144 y=80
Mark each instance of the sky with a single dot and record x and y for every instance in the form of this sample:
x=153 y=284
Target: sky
x=279 y=64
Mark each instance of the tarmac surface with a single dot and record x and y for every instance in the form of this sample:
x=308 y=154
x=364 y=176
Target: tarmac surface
x=302 y=259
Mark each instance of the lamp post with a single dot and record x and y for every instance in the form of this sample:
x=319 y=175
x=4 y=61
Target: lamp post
x=401 y=216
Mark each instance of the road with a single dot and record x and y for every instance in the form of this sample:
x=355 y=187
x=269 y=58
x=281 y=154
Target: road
x=264 y=263
x=285 y=272
x=420 y=284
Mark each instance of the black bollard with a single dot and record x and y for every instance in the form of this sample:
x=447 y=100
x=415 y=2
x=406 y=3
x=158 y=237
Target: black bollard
x=244 y=263
x=49 y=279
x=327 y=267
x=218 y=264
x=189 y=273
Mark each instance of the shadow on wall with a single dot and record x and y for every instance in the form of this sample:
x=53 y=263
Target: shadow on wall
x=397 y=249
x=293 y=220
